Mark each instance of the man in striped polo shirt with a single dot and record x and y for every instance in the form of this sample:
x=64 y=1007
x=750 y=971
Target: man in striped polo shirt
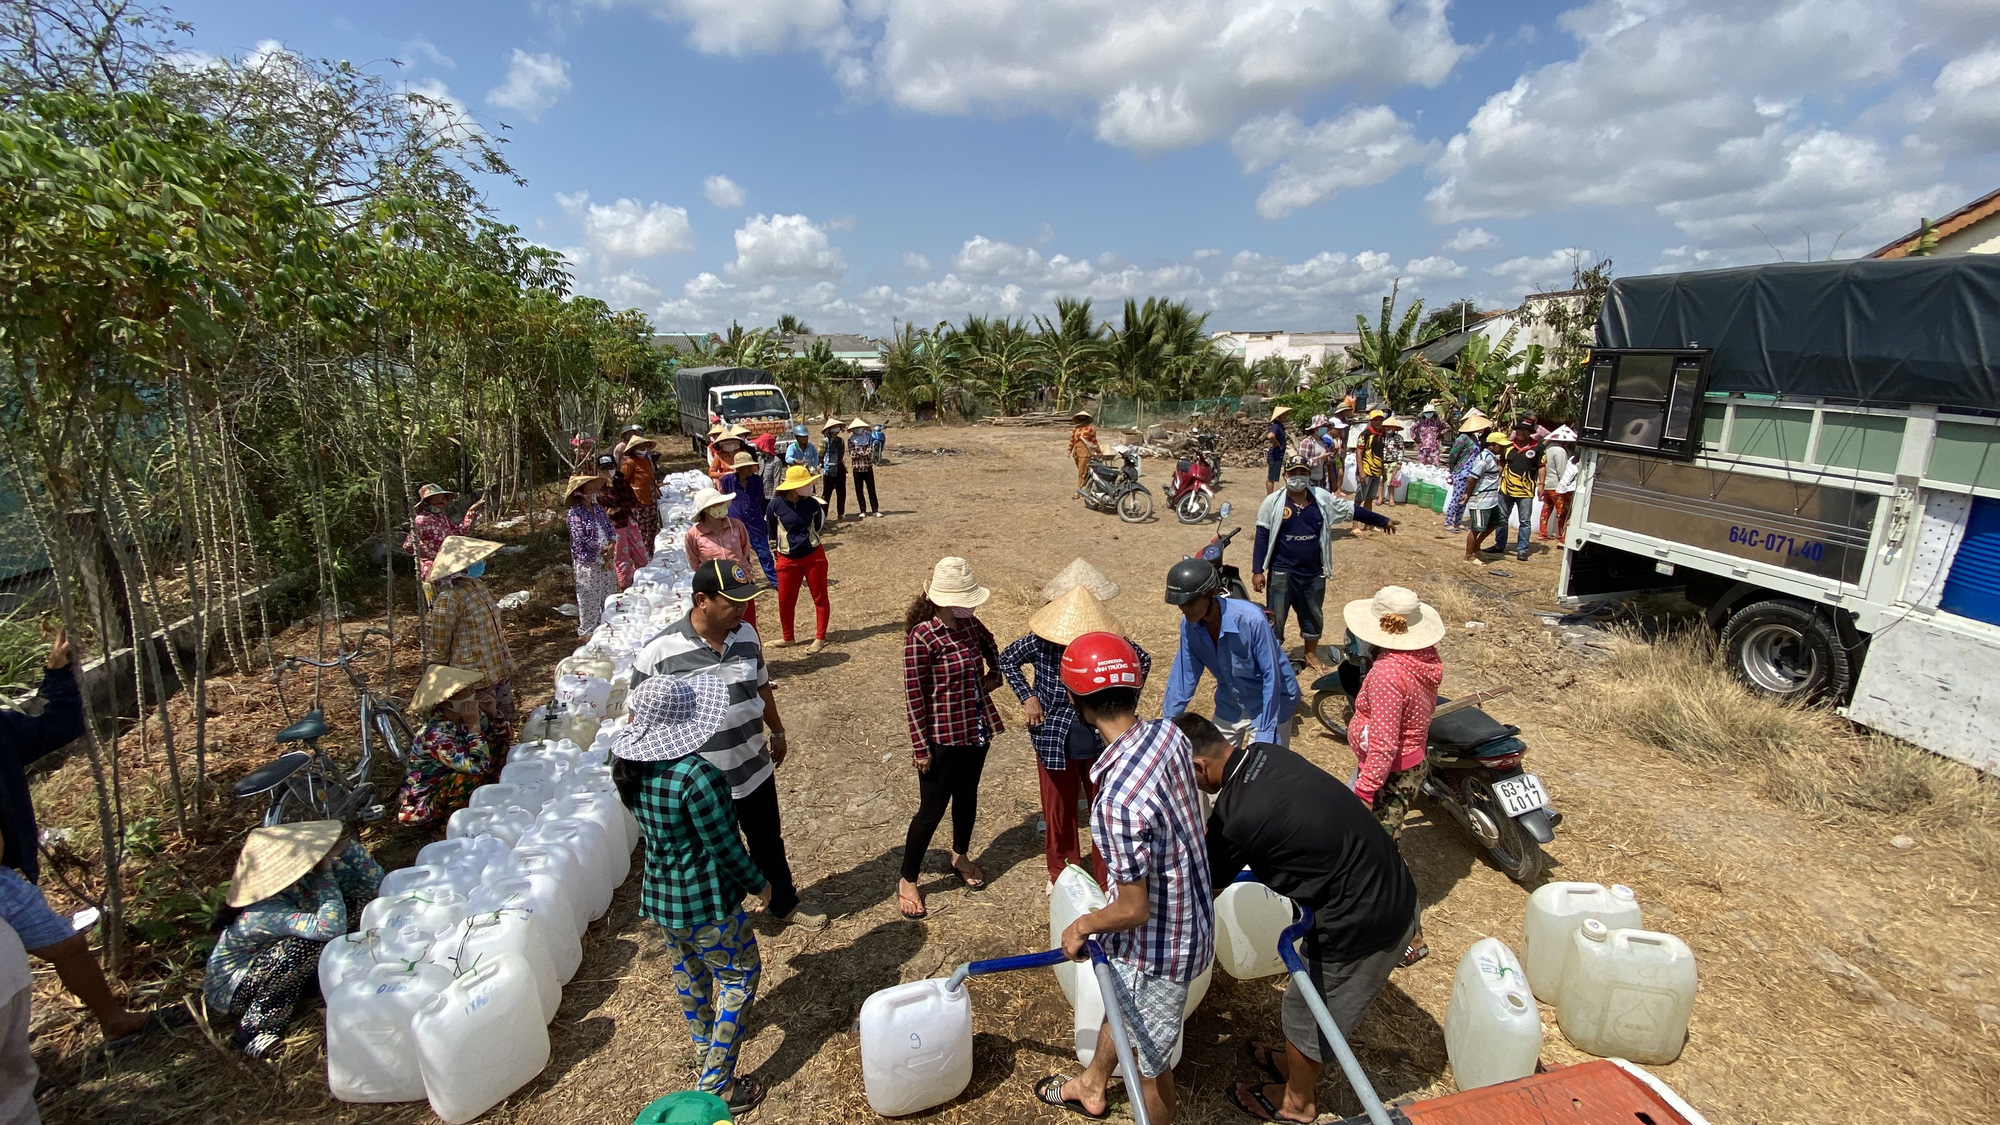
x=713 y=640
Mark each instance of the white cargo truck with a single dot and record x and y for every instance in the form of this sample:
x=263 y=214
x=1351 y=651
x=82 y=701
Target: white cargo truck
x=1811 y=452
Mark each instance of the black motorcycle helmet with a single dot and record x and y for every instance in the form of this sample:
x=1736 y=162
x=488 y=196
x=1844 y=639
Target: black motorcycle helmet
x=1190 y=579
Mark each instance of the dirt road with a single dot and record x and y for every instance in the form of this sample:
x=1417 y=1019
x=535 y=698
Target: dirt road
x=1841 y=978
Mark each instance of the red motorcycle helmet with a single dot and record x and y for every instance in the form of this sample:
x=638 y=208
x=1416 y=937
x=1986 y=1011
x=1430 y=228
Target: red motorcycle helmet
x=1096 y=661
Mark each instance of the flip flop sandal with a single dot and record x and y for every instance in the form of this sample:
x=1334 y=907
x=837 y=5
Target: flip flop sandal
x=1260 y=1056
x=1049 y=1092
x=1415 y=953
x=970 y=883
x=903 y=902
x=156 y=1020
x=1265 y=1111
x=745 y=1094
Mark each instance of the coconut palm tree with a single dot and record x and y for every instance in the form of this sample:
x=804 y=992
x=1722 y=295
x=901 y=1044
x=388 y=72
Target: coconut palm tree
x=1000 y=355
x=1070 y=352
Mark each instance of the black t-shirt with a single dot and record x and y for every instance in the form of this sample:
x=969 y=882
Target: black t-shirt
x=1309 y=838
x=1519 y=468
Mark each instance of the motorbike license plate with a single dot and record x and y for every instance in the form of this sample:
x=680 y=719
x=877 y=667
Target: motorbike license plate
x=1523 y=794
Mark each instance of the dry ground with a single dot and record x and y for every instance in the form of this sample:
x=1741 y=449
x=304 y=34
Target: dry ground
x=1842 y=977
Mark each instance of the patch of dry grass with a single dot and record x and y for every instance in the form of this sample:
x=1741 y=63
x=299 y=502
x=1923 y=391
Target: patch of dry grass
x=1676 y=694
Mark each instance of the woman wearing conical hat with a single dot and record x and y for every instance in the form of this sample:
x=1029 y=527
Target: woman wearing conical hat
x=1065 y=747
x=452 y=753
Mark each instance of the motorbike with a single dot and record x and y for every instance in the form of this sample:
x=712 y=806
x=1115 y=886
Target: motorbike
x=1232 y=579
x=1475 y=773
x=1192 y=490
x=1108 y=489
x=1206 y=444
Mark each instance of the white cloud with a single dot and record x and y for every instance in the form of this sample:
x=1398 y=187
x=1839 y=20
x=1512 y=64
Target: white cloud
x=1469 y=239
x=534 y=83
x=1363 y=146
x=723 y=192
x=785 y=247
x=434 y=106
x=840 y=222
x=916 y=263
x=627 y=229
x=421 y=47
x=1153 y=74
x=983 y=256
x=1963 y=111
x=627 y=289
x=1554 y=270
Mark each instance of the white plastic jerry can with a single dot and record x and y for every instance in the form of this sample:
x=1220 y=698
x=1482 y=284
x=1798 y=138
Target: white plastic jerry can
x=1555 y=912
x=343 y=956
x=1627 y=993
x=369 y=1057
x=544 y=900
x=558 y=862
x=1076 y=894
x=1249 y=917
x=1492 y=1029
x=916 y=1046
x=481 y=1039
x=429 y=909
x=592 y=849
x=482 y=937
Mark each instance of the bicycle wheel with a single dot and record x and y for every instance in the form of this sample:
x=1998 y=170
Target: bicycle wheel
x=393 y=730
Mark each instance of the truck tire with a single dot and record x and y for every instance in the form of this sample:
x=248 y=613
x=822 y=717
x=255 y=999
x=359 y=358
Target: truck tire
x=1789 y=650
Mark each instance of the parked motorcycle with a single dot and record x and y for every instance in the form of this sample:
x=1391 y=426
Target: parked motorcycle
x=1192 y=490
x=1207 y=451
x=1108 y=489
x=1232 y=579
x=1475 y=761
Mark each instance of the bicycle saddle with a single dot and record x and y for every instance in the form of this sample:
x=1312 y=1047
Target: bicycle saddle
x=271 y=774
x=312 y=726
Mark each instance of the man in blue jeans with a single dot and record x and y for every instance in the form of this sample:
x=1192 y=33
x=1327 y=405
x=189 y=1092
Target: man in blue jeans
x=1290 y=561
x=1520 y=470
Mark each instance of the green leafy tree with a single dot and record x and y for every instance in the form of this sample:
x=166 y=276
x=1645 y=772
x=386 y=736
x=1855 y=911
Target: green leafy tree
x=1070 y=353
x=1571 y=318
x=1380 y=358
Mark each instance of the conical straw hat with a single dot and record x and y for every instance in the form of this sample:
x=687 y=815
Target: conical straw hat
x=275 y=858
x=1080 y=573
x=458 y=552
x=441 y=682
x=1071 y=616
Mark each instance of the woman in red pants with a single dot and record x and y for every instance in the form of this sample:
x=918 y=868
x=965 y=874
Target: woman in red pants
x=796 y=522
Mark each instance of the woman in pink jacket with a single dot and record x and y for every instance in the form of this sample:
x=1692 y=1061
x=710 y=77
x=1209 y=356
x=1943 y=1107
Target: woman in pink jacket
x=1392 y=711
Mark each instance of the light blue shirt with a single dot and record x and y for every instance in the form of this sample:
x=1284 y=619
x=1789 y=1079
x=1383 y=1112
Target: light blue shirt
x=796 y=454
x=1253 y=679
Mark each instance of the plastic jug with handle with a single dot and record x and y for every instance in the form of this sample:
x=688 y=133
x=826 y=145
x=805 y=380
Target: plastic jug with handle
x=543 y=900
x=369 y=1057
x=1555 y=912
x=481 y=1039
x=464 y=855
x=408 y=946
x=916 y=1046
x=1248 y=919
x=530 y=795
x=547 y=771
x=507 y=823
x=403 y=880
x=564 y=752
x=592 y=850
x=482 y=937
x=1492 y=1029
x=1075 y=894
x=430 y=909
x=1627 y=993
x=344 y=956
x=601 y=809
x=557 y=862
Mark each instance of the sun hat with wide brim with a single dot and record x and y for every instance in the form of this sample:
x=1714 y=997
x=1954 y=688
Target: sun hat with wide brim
x=1071 y=616
x=580 y=482
x=708 y=498
x=1394 y=619
x=717 y=430
x=744 y=460
x=458 y=552
x=439 y=683
x=952 y=584
x=428 y=491
x=1474 y=422
x=274 y=858
x=797 y=476
x=672 y=717
x=857 y=424
x=642 y=442
x=1562 y=433
x=1079 y=572
x=1278 y=412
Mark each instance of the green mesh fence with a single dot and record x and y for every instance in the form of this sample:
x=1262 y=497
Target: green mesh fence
x=1133 y=414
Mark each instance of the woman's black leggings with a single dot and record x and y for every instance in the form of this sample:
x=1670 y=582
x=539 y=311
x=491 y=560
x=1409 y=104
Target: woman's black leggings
x=864 y=491
x=953 y=779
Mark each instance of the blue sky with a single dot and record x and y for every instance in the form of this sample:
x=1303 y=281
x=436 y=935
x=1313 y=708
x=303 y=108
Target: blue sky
x=1282 y=162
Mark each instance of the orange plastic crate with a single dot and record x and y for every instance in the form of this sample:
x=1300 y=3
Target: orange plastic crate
x=1598 y=1092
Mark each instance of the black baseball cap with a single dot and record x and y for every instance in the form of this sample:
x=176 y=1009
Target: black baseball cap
x=724 y=577
x=606 y=461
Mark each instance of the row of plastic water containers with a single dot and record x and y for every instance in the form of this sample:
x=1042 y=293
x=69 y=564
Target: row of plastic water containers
x=1618 y=989
x=446 y=988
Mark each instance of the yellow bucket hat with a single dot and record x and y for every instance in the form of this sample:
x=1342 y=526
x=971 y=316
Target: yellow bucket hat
x=798 y=476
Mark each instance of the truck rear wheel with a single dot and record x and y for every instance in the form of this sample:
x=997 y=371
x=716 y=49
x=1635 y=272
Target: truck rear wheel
x=1788 y=650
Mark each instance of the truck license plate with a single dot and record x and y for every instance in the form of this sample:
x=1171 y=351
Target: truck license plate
x=1521 y=794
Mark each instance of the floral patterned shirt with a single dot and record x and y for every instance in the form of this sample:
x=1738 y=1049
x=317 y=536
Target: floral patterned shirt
x=447 y=763
x=428 y=531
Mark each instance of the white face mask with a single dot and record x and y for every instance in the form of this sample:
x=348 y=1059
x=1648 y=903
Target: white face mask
x=1297 y=484
x=718 y=512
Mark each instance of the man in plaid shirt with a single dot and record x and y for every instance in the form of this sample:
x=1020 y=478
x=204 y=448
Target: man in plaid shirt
x=1159 y=930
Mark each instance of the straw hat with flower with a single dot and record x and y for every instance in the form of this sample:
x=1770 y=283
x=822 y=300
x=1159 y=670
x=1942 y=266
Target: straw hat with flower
x=952 y=584
x=1394 y=619
x=274 y=858
x=1071 y=616
x=458 y=552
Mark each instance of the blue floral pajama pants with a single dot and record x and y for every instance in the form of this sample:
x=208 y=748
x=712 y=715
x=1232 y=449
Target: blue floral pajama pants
x=1454 y=507
x=717 y=979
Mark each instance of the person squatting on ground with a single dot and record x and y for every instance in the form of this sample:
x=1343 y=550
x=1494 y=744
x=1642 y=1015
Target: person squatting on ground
x=1560 y=469
x=297 y=887
x=1482 y=509
x=453 y=752
x=591 y=543
x=797 y=523
x=432 y=524
x=1392 y=711
x=1293 y=556
x=1465 y=448
x=861 y=454
x=464 y=629
x=25 y=739
x=1256 y=691
x=747 y=505
x=712 y=640
x=1065 y=746
x=1275 y=449
x=950 y=669
x=1520 y=473
x=696 y=872
x=1082 y=445
x=833 y=465
x=1158 y=931
x=1308 y=837
x=715 y=534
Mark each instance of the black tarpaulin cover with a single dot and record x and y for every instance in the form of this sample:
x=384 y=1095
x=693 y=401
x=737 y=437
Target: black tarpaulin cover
x=1880 y=332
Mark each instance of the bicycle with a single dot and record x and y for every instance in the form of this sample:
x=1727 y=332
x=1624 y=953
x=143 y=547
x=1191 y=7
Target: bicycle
x=307 y=784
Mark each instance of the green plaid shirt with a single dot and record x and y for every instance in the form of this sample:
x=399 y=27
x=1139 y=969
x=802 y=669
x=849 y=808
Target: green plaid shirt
x=697 y=870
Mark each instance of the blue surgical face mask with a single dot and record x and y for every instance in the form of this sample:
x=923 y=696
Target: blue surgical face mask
x=476 y=569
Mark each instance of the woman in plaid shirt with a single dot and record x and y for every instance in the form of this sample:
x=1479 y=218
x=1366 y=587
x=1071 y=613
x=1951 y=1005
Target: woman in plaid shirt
x=950 y=667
